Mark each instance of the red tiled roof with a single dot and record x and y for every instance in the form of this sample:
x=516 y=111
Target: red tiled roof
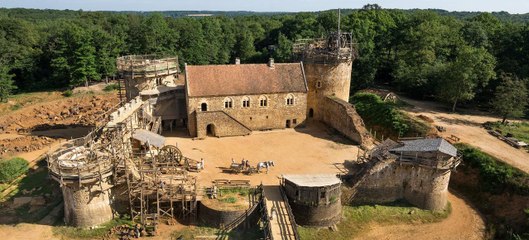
x=244 y=79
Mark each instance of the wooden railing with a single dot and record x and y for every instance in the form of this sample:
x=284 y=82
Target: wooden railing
x=236 y=222
x=432 y=163
x=267 y=231
x=289 y=212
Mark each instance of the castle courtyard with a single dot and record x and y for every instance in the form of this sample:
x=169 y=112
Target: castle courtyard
x=312 y=149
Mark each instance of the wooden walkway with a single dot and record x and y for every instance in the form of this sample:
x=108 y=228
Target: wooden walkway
x=280 y=223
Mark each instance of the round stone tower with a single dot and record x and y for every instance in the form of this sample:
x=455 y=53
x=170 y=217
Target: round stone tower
x=315 y=199
x=328 y=66
x=148 y=75
x=85 y=179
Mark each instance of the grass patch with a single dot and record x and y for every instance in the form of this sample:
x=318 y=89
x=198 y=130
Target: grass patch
x=386 y=119
x=357 y=218
x=37 y=181
x=15 y=107
x=11 y=169
x=232 y=195
x=238 y=191
x=84 y=233
x=228 y=200
x=67 y=93
x=111 y=87
x=195 y=232
x=519 y=130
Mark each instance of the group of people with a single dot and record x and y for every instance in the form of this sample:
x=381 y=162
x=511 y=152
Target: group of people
x=126 y=232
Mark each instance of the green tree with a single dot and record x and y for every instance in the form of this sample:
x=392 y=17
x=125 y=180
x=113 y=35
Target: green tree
x=458 y=79
x=283 y=52
x=85 y=68
x=510 y=98
x=107 y=50
x=245 y=48
x=73 y=56
x=6 y=83
x=425 y=44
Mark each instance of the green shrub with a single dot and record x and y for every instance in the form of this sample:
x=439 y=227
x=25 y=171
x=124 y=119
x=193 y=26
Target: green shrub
x=495 y=176
x=377 y=113
x=15 y=107
x=67 y=93
x=87 y=233
x=386 y=118
x=229 y=200
x=111 y=87
x=12 y=168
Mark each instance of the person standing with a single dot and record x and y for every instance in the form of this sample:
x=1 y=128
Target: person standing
x=137 y=230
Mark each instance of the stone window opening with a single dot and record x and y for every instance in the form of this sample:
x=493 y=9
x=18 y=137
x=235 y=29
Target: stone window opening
x=318 y=84
x=228 y=103
x=245 y=102
x=294 y=121
x=263 y=101
x=290 y=100
x=204 y=107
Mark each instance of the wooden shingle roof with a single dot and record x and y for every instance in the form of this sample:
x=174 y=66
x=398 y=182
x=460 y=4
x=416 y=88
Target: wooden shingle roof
x=427 y=145
x=244 y=79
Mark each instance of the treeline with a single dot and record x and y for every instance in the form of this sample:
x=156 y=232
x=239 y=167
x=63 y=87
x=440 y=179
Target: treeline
x=419 y=52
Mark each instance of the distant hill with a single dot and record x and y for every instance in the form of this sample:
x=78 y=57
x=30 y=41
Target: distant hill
x=37 y=14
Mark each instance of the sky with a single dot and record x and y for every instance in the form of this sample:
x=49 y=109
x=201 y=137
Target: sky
x=512 y=6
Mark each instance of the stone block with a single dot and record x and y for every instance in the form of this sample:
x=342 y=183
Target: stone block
x=20 y=201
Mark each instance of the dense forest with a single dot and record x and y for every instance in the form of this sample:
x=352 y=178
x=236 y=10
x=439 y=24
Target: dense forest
x=452 y=57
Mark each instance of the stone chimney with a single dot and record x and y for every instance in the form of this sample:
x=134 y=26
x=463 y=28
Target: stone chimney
x=237 y=61
x=271 y=63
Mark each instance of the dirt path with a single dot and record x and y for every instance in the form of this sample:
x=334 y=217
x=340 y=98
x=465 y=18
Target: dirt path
x=464 y=223
x=27 y=231
x=467 y=127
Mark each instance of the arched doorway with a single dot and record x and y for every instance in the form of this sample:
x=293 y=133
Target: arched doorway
x=203 y=107
x=210 y=130
x=311 y=113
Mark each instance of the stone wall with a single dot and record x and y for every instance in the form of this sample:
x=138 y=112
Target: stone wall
x=325 y=80
x=220 y=123
x=423 y=187
x=86 y=206
x=343 y=117
x=215 y=218
x=273 y=116
x=319 y=216
x=314 y=206
x=133 y=86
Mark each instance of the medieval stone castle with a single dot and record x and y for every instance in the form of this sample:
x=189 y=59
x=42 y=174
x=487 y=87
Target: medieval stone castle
x=124 y=159
x=236 y=99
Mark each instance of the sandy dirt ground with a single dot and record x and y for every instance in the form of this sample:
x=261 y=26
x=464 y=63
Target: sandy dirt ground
x=315 y=149
x=464 y=223
x=468 y=127
x=27 y=231
x=307 y=150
